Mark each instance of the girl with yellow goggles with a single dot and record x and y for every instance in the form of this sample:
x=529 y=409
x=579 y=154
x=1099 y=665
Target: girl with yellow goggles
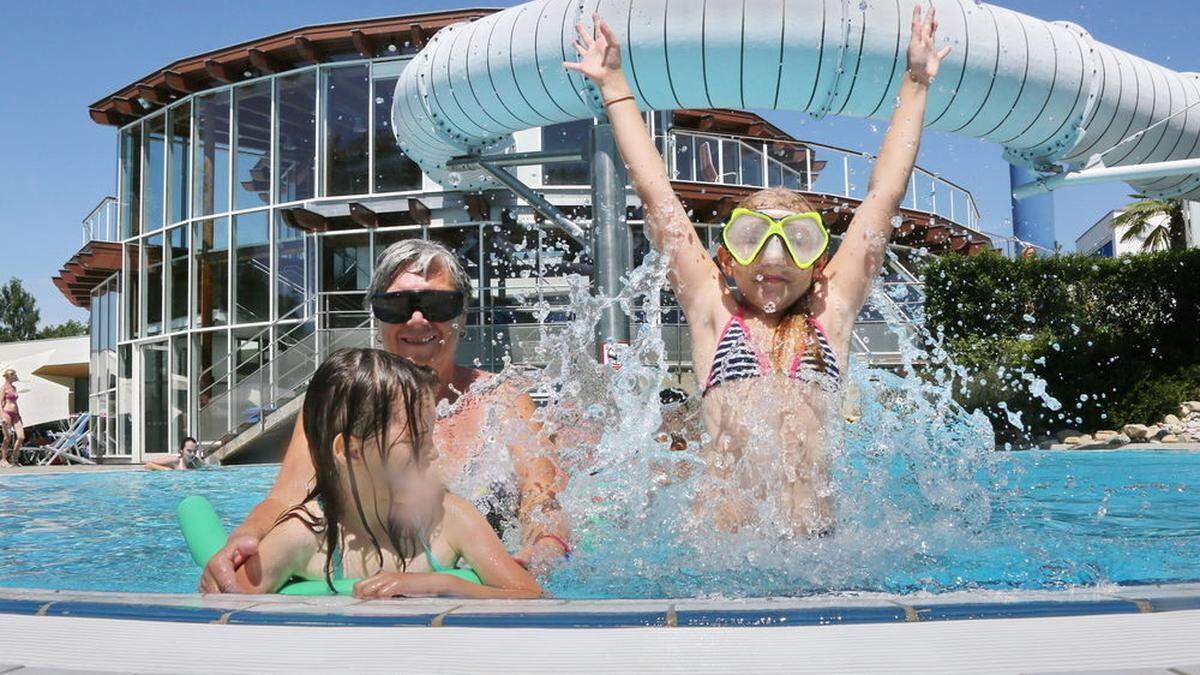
x=769 y=342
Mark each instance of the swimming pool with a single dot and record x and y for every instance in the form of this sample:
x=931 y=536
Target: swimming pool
x=1062 y=520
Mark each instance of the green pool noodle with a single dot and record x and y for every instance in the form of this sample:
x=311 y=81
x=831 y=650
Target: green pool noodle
x=205 y=535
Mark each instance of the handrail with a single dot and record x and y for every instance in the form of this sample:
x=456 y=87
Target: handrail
x=287 y=319
x=759 y=146
x=100 y=224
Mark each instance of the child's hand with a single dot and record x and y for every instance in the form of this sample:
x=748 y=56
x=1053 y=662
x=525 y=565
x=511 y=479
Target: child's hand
x=923 y=60
x=401 y=584
x=599 y=55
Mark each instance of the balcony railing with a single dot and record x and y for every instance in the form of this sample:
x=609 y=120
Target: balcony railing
x=746 y=161
x=101 y=223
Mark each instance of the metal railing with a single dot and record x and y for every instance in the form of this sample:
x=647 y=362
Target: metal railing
x=240 y=392
x=101 y=223
x=1012 y=247
x=746 y=161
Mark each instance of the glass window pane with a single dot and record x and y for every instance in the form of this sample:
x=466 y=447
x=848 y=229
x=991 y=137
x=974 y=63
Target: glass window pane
x=152 y=270
x=210 y=167
x=297 y=133
x=252 y=177
x=210 y=270
x=133 y=321
x=569 y=136
x=394 y=171
x=179 y=124
x=346 y=262
x=289 y=270
x=210 y=350
x=154 y=401
x=177 y=276
x=752 y=164
x=125 y=400
x=347 y=92
x=131 y=180
x=252 y=275
x=152 y=183
x=179 y=389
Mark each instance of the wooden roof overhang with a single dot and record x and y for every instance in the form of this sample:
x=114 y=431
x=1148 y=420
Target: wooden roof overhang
x=88 y=268
x=291 y=49
x=713 y=203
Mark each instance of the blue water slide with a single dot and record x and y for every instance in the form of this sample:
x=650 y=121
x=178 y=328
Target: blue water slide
x=1048 y=93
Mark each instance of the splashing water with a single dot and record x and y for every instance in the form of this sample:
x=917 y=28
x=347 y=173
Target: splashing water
x=914 y=476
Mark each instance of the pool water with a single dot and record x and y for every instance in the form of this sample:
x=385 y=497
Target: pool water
x=1062 y=519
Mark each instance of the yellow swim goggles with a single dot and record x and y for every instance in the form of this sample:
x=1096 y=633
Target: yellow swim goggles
x=803 y=234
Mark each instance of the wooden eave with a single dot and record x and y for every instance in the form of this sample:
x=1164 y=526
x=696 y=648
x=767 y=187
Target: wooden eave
x=89 y=267
x=274 y=53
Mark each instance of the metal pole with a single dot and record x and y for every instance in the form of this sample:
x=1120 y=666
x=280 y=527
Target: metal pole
x=612 y=246
x=1032 y=217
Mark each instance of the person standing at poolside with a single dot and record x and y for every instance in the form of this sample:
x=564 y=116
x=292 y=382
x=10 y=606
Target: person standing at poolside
x=489 y=450
x=10 y=418
x=771 y=318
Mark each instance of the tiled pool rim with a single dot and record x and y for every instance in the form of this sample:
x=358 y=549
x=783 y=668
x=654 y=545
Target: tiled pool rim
x=842 y=609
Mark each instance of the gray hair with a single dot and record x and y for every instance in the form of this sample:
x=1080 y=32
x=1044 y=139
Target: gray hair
x=419 y=256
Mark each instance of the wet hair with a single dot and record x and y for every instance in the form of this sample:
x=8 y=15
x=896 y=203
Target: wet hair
x=777 y=198
x=420 y=256
x=185 y=441
x=358 y=393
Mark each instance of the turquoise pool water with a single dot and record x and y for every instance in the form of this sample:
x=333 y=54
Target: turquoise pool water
x=1061 y=519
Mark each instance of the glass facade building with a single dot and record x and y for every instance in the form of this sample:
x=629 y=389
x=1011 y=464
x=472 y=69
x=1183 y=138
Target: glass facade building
x=245 y=252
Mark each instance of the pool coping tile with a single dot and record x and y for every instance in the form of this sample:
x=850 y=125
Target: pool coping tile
x=849 y=608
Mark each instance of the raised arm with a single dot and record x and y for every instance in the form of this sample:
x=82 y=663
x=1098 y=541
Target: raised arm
x=694 y=276
x=861 y=254
x=291 y=487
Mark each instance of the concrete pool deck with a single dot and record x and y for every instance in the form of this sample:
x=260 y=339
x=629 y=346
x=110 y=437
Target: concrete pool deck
x=1142 y=627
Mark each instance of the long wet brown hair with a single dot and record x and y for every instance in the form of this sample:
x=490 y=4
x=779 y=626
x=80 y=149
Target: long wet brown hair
x=357 y=393
x=795 y=325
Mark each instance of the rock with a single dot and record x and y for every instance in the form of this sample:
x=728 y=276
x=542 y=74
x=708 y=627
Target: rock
x=1169 y=438
x=1063 y=435
x=1190 y=406
x=1077 y=440
x=1106 y=434
x=1171 y=420
x=1105 y=443
x=1139 y=432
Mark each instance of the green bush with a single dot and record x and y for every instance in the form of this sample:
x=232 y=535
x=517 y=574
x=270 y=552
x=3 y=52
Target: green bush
x=1115 y=340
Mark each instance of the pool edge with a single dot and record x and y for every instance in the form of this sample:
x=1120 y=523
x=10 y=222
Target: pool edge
x=840 y=609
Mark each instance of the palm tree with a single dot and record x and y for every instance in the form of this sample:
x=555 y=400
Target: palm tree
x=1144 y=218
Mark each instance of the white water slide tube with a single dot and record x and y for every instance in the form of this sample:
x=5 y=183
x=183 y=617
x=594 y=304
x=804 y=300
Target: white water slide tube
x=1053 y=97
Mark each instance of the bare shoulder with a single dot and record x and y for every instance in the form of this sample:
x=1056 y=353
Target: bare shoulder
x=460 y=515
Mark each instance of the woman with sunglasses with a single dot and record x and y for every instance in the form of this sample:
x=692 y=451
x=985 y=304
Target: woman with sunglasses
x=771 y=318
x=418 y=296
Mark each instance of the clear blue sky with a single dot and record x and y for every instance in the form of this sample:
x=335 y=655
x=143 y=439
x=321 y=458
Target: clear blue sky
x=58 y=56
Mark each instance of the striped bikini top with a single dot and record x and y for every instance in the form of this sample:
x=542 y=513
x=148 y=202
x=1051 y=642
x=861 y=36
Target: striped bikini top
x=737 y=359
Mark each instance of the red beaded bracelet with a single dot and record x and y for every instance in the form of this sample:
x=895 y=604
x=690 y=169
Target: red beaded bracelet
x=556 y=539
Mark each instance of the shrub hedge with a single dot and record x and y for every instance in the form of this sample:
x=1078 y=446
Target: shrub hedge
x=1117 y=341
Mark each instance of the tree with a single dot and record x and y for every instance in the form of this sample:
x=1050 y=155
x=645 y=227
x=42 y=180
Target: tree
x=71 y=328
x=18 y=312
x=1160 y=221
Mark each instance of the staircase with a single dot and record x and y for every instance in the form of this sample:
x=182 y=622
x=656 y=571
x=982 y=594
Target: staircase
x=248 y=401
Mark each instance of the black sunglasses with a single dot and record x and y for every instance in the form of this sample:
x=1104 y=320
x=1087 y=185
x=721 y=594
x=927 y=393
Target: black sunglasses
x=398 y=306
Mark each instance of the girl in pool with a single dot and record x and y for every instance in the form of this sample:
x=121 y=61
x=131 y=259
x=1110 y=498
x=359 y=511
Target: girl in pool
x=374 y=508
x=771 y=318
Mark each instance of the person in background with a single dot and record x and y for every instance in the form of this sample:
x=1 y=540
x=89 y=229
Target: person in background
x=188 y=457
x=10 y=419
